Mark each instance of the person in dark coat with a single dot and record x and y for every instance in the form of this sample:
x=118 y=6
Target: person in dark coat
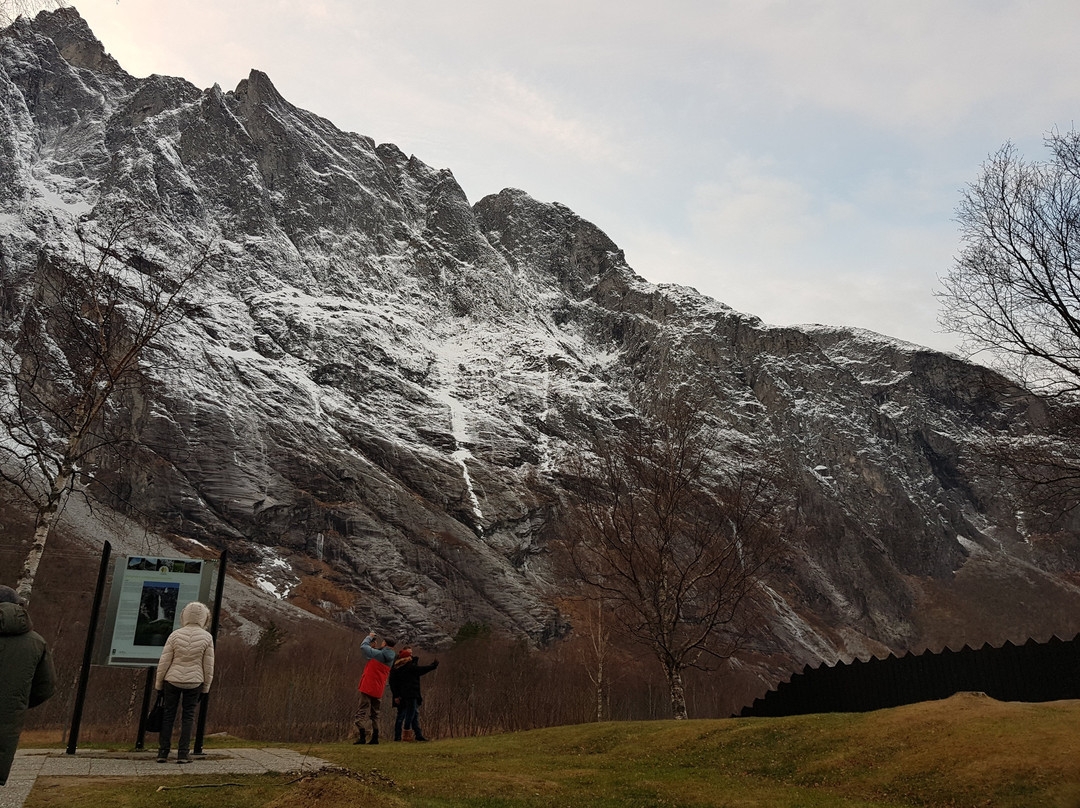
x=26 y=673
x=405 y=689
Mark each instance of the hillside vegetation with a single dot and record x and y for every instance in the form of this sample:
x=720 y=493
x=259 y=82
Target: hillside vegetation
x=968 y=750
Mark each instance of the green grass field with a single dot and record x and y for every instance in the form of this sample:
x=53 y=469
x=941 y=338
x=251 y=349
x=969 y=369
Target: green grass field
x=965 y=751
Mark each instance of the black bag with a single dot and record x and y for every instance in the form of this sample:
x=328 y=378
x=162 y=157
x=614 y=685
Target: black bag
x=153 y=718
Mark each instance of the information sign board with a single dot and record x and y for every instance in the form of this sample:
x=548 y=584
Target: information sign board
x=145 y=600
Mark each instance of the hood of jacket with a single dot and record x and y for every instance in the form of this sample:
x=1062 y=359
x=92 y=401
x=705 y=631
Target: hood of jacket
x=195 y=614
x=14 y=619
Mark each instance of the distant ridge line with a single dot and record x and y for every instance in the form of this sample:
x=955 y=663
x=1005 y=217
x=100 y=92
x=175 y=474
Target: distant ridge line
x=1037 y=670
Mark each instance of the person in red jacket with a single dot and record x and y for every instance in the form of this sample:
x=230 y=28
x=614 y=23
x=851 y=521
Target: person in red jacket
x=372 y=685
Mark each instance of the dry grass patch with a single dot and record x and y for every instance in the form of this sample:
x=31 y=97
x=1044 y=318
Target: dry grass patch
x=322 y=790
x=317 y=586
x=964 y=751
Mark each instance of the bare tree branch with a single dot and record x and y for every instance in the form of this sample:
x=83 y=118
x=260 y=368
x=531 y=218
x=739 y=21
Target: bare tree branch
x=1014 y=290
x=75 y=349
x=10 y=10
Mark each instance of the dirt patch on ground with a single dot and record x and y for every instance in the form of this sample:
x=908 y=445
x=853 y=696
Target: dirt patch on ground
x=66 y=790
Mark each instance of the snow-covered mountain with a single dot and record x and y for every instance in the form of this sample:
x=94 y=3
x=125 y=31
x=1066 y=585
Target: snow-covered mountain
x=377 y=381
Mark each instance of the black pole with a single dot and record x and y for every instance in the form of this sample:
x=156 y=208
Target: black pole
x=148 y=686
x=215 y=620
x=88 y=649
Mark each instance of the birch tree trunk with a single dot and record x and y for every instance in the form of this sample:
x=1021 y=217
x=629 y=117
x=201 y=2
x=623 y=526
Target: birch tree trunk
x=599 y=637
x=46 y=517
x=678 y=693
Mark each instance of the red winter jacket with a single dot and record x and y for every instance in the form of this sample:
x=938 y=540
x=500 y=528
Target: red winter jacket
x=373 y=680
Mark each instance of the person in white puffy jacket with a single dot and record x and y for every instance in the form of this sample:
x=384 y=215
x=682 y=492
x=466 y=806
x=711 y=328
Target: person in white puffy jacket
x=184 y=672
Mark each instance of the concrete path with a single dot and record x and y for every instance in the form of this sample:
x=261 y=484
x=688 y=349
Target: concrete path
x=31 y=763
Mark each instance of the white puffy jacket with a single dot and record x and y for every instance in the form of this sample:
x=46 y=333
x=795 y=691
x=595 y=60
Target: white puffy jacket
x=187 y=660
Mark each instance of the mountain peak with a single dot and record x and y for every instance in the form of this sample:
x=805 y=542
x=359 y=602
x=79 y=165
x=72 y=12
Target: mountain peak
x=74 y=39
x=258 y=89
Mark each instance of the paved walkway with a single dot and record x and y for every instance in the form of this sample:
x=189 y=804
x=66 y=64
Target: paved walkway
x=31 y=763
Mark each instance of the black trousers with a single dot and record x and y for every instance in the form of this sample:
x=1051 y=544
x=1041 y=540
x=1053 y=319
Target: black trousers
x=187 y=699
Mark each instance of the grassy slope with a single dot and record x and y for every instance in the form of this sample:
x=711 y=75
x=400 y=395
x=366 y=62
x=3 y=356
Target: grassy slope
x=967 y=750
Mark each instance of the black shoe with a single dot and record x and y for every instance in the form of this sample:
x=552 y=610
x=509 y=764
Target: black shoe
x=362 y=738
x=163 y=757
x=374 y=737
x=183 y=759
x=421 y=738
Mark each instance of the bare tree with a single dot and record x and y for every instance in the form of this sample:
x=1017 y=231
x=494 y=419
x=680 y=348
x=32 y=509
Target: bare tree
x=10 y=10
x=74 y=347
x=1014 y=295
x=1014 y=290
x=599 y=649
x=672 y=547
x=594 y=647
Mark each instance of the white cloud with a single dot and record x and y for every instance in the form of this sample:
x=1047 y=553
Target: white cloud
x=757 y=211
x=916 y=65
x=768 y=245
x=520 y=112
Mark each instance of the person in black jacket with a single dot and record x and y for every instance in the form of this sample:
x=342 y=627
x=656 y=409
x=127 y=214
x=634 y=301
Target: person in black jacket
x=26 y=673
x=405 y=688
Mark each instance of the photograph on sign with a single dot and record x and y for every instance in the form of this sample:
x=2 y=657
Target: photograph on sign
x=157 y=612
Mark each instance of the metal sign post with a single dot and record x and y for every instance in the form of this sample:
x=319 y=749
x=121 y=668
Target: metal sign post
x=88 y=650
x=200 y=728
x=148 y=688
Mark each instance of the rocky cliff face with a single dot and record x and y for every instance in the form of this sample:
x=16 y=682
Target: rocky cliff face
x=375 y=386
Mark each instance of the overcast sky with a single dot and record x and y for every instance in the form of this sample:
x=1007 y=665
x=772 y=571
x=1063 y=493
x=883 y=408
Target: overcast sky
x=799 y=160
